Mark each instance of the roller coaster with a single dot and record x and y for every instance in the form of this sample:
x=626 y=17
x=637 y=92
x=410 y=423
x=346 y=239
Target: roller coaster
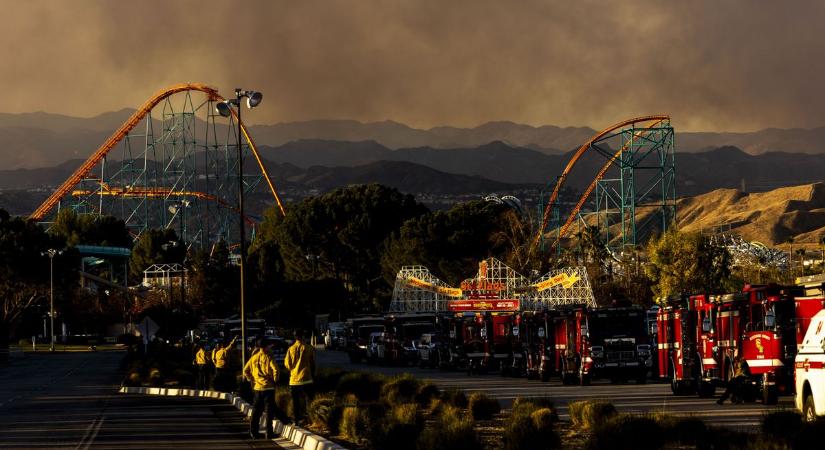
x=180 y=171
x=643 y=176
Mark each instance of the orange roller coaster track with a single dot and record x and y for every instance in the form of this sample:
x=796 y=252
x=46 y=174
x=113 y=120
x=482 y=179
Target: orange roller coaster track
x=83 y=171
x=156 y=193
x=656 y=119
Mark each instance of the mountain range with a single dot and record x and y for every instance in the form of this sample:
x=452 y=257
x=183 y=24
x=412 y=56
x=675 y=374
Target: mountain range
x=39 y=139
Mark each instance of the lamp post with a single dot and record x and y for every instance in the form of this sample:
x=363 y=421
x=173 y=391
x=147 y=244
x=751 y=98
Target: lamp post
x=223 y=108
x=51 y=253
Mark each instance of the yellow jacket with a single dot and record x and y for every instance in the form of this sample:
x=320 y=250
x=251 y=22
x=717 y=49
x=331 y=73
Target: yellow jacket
x=200 y=358
x=262 y=370
x=221 y=356
x=300 y=361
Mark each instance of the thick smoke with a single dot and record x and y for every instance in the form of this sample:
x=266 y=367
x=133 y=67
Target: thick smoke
x=734 y=65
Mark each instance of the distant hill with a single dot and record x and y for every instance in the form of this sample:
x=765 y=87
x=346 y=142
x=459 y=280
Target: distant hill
x=768 y=217
x=32 y=140
x=22 y=190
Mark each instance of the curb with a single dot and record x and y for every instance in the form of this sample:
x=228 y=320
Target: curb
x=297 y=435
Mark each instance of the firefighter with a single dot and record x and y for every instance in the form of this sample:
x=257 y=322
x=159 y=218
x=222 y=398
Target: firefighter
x=220 y=359
x=736 y=386
x=201 y=363
x=300 y=361
x=262 y=370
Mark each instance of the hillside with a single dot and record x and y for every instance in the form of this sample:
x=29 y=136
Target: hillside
x=32 y=140
x=768 y=217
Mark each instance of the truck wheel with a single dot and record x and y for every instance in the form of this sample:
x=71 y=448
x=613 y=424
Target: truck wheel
x=584 y=380
x=808 y=409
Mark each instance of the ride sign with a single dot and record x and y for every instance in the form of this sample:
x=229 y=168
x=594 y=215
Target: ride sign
x=483 y=305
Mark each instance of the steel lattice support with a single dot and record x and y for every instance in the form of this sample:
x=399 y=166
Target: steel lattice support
x=179 y=171
x=639 y=200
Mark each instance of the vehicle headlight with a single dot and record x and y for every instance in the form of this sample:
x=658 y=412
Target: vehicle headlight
x=363 y=347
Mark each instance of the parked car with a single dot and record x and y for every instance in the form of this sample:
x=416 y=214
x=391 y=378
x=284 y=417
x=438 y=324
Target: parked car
x=809 y=370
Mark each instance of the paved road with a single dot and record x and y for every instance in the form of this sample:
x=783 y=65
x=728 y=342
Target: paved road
x=71 y=401
x=651 y=397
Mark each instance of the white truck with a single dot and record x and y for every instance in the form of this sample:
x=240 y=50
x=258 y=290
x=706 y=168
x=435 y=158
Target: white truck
x=809 y=370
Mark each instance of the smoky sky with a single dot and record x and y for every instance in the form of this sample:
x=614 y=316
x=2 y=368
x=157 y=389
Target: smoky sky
x=716 y=66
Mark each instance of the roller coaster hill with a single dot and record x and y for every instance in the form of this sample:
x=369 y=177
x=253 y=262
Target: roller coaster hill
x=173 y=164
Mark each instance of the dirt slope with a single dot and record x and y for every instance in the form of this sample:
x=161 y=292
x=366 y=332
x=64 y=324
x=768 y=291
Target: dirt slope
x=769 y=217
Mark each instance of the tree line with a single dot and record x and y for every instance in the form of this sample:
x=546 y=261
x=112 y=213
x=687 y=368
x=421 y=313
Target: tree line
x=337 y=253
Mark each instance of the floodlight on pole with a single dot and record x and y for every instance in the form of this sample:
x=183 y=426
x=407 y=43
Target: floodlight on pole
x=51 y=253
x=253 y=99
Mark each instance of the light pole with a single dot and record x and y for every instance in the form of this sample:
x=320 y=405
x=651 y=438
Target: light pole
x=51 y=253
x=223 y=108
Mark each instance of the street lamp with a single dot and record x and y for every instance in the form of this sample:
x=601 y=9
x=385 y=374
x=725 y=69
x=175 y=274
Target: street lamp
x=224 y=108
x=51 y=253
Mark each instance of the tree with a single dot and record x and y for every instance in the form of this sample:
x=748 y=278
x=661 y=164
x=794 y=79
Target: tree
x=86 y=229
x=338 y=236
x=23 y=269
x=213 y=282
x=450 y=243
x=155 y=247
x=686 y=263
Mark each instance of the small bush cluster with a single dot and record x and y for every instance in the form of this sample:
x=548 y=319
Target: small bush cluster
x=452 y=430
x=364 y=386
x=400 y=428
x=483 y=407
x=590 y=413
x=455 y=398
x=400 y=389
x=530 y=426
x=283 y=400
x=628 y=431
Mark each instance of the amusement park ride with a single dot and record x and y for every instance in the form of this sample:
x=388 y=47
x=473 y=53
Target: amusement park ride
x=173 y=164
x=176 y=168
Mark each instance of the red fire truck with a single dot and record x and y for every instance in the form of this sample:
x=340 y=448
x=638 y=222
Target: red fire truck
x=536 y=331
x=571 y=338
x=700 y=340
x=487 y=331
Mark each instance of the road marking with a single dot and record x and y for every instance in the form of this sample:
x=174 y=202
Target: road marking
x=91 y=433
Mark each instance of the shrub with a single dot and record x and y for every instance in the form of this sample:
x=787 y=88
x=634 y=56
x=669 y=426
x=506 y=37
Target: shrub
x=810 y=435
x=320 y=410
x=401 y=389
x=283 y=401
x=326 y=379
x=530 y=431
x=426 y=393
x=365 y=386
x=133 y=379
x=455 y=398
x=590 y=413
x=627 y=431
x=782 y=425
x=155 y=377
x=528 y=405
x=483 y=407
x=685 y=430
x=451 y=431
x=354 y=424
x=400 y=429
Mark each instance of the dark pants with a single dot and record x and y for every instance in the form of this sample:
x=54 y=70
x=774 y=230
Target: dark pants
x=267 y=399
x=202 y=382
x=219 y=382
x=301 y=395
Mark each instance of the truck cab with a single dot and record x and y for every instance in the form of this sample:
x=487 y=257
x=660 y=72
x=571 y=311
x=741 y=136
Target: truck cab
x=809 y=371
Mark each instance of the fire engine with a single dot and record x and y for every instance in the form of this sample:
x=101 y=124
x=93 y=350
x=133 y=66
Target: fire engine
x=619 y=343
x=539 y=349
x=700 y=340
x=571 y=338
